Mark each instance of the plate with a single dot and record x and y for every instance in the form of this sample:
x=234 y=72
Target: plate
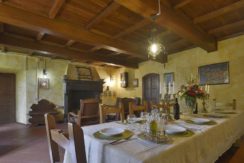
x=200 y=120
x=125 y=135
x=174 y=129
x=111 y=131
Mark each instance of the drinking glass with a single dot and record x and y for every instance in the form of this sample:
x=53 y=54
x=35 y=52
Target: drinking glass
x=131 y=118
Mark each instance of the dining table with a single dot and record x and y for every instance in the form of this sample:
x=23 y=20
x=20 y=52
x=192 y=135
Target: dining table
x=205 y=145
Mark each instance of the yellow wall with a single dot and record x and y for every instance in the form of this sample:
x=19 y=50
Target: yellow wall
x=27 y=70
x=185 y=63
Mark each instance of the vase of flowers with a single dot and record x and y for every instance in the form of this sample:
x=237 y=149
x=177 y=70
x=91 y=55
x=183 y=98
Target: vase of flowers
x=191 y=93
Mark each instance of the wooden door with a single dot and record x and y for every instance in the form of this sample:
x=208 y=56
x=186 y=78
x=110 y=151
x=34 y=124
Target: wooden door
x=7 y=98
x=151 y=88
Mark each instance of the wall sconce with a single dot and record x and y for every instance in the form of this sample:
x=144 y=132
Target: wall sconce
x=43 y=82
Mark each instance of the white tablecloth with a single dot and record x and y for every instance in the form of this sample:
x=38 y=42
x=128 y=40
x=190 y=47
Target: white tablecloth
x=205 y=146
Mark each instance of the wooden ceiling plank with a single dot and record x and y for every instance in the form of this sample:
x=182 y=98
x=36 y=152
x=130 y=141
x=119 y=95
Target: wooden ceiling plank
x=103 y=14
x=219 y=12
x=227 y=26
x=70 y=43
x=10 y=40
x=31 y=21
x=56 y=7
x=182 y=4
x=40 y=36
x=1 y=27
x=133 y=28
x=174 y=22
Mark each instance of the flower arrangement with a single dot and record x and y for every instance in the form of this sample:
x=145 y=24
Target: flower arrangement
x=192 y=92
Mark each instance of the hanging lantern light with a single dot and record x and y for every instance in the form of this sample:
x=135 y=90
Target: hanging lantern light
x=155 y=47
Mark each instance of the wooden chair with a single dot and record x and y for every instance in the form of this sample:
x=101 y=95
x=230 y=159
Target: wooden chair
x=106 y=110
x=225 y=105
x=52 y=146
x=74 y=143
x=88 y=113
x=137 y=108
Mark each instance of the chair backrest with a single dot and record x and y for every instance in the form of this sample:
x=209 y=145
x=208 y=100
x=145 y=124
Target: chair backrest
x=73 y=143
x=89 y=107
x=224 y=105
x=137 y=108
x=52 y=146
x=106 y=110
x=89 y=112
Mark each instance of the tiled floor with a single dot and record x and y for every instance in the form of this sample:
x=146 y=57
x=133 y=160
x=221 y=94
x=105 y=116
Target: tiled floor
x=20 y=144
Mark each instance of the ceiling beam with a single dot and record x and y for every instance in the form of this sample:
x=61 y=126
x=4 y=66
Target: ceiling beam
x=233 y=7
x=103 y=14
x=70 y=43
x=40 y=36
x=182 y=4
x=24 y=19
x=174 y=22
x=56 y=7
x=223 y=28
x=8 y=40
x=1 y=27
x=133 y=28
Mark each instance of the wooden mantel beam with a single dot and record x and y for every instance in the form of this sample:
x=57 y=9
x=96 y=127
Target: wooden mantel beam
x=21 y=18
x=56 y=7
x=104 y=13
x=9 y=40
x=173 y=21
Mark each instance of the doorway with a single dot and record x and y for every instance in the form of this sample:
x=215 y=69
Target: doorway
x=151 y=87
x=7 y=98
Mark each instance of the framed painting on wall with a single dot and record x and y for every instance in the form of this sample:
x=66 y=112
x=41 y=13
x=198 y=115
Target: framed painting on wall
x=168 y=78
x=217 y=73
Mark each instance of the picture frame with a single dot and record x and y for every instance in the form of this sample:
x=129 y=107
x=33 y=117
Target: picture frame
x=168 y=78
x=124 y=79
x=213 y=74
x=43 y=83
x=135 y=83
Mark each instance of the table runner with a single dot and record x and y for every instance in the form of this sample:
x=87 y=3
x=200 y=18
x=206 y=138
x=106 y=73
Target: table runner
x=205 y=146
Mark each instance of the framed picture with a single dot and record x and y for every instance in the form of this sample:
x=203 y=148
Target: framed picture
x=124 y=79
x=168 y=78
x=43 y=83
x=217 y=73
x=135 y=83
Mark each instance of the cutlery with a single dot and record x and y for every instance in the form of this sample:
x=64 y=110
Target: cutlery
x=118 y=141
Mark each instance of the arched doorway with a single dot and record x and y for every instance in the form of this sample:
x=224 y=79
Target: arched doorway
x=151 y=87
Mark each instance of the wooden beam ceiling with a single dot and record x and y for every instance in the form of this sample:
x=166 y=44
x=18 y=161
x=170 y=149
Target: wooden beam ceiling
x=40 y=36
x=219 y=12
x=1 y=27
x=133 y=28
x=103 y=14
x=227 y=26
x=56 y=7
x=182 y=4
x=31 y=21
x=9 y=40
x=70 y=43
x=174 y=22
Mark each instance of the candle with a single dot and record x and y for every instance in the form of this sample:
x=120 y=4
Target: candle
x=208 y=89
x=173 y=89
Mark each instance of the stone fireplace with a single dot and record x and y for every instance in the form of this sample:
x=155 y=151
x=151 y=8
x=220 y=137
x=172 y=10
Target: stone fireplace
x=80 y=83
